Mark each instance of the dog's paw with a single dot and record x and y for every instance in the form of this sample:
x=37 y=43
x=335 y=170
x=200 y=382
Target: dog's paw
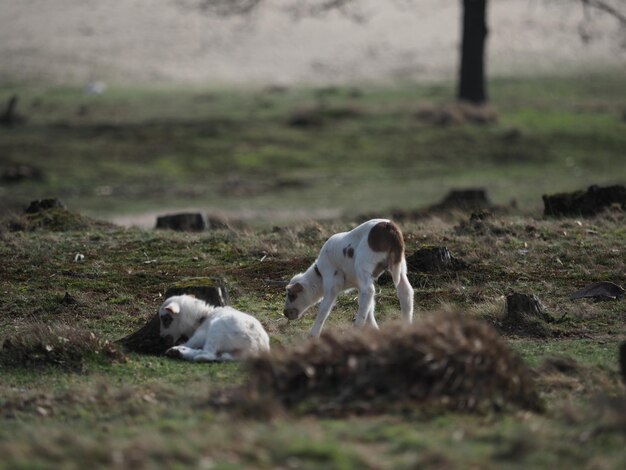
x=174 y=352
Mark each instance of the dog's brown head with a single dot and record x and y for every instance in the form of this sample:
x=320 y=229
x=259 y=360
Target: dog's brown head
x=294 y=306
x=300 y=297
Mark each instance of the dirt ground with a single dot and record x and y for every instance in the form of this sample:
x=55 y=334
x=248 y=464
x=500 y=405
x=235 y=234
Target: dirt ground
x=136 y=41
x=147 y=219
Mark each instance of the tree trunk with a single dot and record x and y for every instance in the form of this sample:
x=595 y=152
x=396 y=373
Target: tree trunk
x=472 y=74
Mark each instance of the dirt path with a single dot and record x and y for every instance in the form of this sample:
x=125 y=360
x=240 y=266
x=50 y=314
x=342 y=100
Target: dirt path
x=147 y=220
x=76 y=41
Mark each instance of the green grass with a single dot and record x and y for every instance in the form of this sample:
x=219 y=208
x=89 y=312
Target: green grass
x=175 y=147
x=165 y=147
x=156 y=409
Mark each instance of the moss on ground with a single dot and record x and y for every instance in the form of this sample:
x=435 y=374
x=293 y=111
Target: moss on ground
x=151 y=411
x=153 y=404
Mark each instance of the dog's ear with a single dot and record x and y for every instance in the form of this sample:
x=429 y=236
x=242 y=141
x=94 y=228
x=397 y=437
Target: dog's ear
x=173 y=308
x=295 y=288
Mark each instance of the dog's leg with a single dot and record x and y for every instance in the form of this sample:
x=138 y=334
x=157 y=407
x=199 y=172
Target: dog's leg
x=403 y=289
x=197 y=339
x=206 y=356
x=332 y=287
x=326 y=305
x=405 y=296
x=227 y=357
x=183 y=352
x=199 y=355
x=366 y=297
x=371 y=320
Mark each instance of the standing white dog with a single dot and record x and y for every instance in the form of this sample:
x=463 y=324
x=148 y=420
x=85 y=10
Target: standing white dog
x=352 y=260
x=215 y=333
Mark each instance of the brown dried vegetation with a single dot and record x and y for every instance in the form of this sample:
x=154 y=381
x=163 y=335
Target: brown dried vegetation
x=447 y=360
x=61 y=345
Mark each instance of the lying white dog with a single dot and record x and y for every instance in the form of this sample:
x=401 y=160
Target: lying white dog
x=352 y=260
x=215 y=333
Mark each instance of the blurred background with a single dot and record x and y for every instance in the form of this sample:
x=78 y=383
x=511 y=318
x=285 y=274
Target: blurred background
x=277 y=110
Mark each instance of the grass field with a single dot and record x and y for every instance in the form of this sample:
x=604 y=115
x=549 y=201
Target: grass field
x=132 y=150
x=129 y=151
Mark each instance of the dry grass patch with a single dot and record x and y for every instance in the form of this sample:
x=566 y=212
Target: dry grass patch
x=61 y=345
x=456 y=114
x=562 y=373
x=56 y=219
x=447 y=361
x=99 y=397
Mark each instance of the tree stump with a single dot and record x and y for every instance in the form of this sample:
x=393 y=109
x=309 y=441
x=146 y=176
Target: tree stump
x=433 y=259
x=473 y=198
x=183 y=222
x=525 y=315
x=40 y=205
x=520 y=307
x=216 y=222
x=147 y=339
x=479 y=224
x=584 y=203
x=209 y=289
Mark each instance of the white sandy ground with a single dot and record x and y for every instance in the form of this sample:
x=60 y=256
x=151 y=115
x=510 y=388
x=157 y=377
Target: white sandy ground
x=138 y=41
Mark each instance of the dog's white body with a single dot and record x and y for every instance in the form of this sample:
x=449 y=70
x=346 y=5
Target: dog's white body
x=215 y=333
x=349 y=260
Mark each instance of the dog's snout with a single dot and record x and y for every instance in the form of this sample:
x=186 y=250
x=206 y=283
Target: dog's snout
x=291 y=313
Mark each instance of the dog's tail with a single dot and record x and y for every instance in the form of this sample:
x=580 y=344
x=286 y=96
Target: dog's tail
x=386 y=236
x=397 y=270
